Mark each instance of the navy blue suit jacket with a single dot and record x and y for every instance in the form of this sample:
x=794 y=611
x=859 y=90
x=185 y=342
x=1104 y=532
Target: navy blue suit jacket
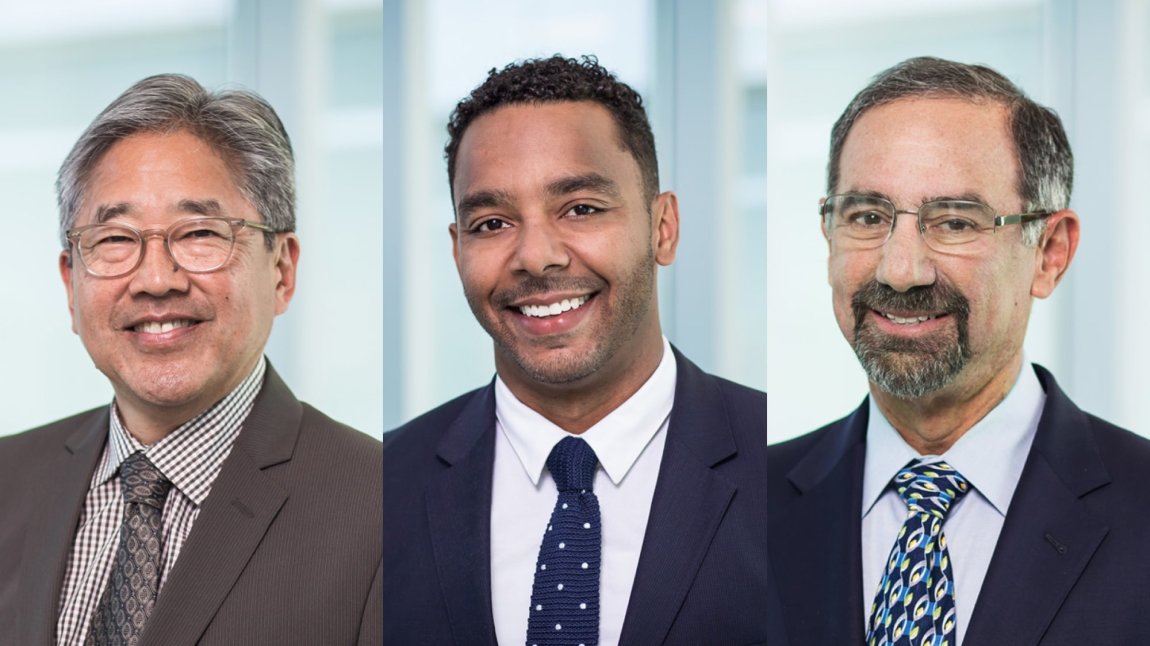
x=702 y=573
x=1072 y=564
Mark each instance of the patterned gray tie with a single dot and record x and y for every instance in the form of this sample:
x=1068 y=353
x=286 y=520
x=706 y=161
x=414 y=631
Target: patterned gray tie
x=135 y=581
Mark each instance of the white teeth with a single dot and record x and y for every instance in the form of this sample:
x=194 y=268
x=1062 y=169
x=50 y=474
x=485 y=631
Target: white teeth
x=157 y=327
x=553 y=309
x=907 y=321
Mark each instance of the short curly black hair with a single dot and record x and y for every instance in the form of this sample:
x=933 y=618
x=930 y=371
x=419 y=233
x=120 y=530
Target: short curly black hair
x=554 y=79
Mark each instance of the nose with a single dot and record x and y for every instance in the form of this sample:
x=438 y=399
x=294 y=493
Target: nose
x=158 y=274
x=539 y=247
x=905 y=261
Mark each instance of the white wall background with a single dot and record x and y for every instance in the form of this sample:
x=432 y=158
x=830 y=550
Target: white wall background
x=1090 y=61
x=317 y=61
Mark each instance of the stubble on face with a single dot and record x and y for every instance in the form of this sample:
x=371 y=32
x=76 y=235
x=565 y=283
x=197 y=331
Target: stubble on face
x=544 y=360
x=909 y=368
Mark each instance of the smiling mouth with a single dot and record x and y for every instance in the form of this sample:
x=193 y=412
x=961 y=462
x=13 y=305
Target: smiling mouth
x=161 y=327
x=554 y=309
x=908 y=320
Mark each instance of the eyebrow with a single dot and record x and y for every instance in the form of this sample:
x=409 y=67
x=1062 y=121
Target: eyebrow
x=209 y=207
x=593 y=182
x=961 y=197
x=201 y=207
x=106 y=212
x=482 y=200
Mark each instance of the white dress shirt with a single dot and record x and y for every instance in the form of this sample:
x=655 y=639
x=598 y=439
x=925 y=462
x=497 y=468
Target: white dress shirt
x=990 y=456
x=629 y=444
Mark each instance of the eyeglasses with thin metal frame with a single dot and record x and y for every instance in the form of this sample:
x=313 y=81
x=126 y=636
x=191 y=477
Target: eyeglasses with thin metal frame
x=197 y=245
x=868 y=221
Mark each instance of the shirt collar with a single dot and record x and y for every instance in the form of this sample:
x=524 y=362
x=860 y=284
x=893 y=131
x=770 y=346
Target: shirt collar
x=190 y=455
x=618 y=439
x=990 y=455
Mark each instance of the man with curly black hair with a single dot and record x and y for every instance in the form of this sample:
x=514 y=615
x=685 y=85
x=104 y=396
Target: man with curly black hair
x=602 y=489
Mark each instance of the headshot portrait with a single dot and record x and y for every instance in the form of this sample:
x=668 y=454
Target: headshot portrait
x=950 y=504
x=600 y=450
x=193 y=501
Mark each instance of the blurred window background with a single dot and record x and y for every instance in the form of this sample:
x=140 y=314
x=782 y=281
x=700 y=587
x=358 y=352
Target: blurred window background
x=701 y=68
x=318 y=62
x=1090 y=61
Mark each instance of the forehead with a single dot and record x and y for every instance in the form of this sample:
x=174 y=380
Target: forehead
x=155 y=172
x=917 y=149
x=519 y=144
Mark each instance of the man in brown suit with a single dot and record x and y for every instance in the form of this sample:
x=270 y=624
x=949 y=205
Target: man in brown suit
x=205 y=505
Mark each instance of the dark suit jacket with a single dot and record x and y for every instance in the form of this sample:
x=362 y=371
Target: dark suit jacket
x=286 y=549
x=1072 y=564
x=702 y=571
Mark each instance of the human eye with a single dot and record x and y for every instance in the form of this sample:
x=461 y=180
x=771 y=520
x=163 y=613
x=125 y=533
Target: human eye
x=202 y=231
x=108 y=237
x=956 y=220
x=866 y=219
x=954 y=225
x=488 y=225
x=582 y=210
x=864 y=215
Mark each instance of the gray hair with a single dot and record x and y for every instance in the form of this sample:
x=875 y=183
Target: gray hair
x=238 y=124
x=1046 y=165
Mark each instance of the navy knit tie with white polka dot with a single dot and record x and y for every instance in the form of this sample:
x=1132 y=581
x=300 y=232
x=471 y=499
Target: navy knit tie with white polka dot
x=565 y=597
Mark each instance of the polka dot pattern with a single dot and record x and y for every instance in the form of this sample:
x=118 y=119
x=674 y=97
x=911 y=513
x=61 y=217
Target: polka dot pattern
x=565 y=596
x=135 y=580
x=914 y=603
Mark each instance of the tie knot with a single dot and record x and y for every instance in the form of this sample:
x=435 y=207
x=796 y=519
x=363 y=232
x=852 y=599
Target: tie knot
x=572 y=464
x=142 y=482
x=930 y=488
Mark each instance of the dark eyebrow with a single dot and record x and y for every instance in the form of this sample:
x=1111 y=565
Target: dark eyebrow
x=593 y=182
x=961 y=197
x=106 y=212
x=964 y=197
x=201 y=207
x=482 y=200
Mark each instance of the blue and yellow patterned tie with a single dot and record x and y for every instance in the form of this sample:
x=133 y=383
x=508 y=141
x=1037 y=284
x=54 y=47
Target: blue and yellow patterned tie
x=914 y=604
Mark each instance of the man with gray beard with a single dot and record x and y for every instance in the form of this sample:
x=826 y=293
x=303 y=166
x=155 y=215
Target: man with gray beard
x=967 y=500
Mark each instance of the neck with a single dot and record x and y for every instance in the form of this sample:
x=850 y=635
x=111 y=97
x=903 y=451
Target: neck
x=577 y=407
x=932 y=424
x=149 y=428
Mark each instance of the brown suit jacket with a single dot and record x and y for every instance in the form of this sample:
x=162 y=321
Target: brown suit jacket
x=286 y=550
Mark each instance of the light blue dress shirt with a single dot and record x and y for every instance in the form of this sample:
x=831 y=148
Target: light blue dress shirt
x=990 y=456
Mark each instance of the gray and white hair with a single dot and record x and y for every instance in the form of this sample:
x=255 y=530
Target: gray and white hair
x=1046 y=164
x=238 y=124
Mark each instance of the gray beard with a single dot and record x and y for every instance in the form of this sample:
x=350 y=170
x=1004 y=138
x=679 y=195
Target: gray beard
x=911 y=368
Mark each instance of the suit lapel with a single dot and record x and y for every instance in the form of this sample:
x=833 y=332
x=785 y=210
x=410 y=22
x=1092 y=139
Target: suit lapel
x=816 y=555
x=699 y=436
x=458 y=507
x=234 y=519
x=1049 y=536
x=63 y=485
